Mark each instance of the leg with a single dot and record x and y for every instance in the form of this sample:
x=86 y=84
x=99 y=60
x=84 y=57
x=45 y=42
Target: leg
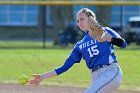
x=109 y=79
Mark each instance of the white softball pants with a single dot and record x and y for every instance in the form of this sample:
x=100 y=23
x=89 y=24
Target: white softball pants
x=106 y=79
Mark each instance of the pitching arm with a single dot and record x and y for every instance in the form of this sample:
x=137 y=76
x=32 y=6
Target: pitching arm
x=75 y=57
x=39 y=77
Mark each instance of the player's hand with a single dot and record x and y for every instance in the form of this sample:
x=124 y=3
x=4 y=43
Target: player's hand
x=36 y=80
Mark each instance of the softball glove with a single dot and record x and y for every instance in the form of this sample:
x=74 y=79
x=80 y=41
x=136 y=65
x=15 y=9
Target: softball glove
x=96 y=31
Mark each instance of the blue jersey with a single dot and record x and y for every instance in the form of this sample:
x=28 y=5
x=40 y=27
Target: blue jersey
x=93 y=52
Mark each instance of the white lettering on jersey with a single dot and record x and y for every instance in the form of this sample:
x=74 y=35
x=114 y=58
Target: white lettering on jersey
x=86 y=44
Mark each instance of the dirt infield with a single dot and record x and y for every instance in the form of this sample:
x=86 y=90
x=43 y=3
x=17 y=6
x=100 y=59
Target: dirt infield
x=15 y=88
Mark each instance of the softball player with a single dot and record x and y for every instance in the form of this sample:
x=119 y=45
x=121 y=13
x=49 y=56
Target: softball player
x=99 y=57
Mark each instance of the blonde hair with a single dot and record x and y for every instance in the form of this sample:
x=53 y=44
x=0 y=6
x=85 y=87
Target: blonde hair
x=87 y=12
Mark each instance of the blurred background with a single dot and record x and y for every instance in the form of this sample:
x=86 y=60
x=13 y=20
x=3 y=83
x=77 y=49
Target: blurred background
x=37 y=36
x=38 y=25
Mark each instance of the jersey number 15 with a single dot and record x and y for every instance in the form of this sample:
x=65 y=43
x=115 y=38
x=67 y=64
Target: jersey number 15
x=93 y=51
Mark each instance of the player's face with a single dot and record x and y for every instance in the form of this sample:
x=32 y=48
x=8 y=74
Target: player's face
x=82 y=20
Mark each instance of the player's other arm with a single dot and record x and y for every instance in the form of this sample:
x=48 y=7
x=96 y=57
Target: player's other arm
x=116 y=39
x=120 y=42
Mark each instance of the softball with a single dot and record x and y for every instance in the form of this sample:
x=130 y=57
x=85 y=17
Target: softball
x=23 y=79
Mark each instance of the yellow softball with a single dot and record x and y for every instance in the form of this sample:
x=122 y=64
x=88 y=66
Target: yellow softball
x=23 y=79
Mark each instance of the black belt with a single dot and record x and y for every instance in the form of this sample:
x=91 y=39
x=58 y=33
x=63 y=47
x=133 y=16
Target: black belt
x=100 y=66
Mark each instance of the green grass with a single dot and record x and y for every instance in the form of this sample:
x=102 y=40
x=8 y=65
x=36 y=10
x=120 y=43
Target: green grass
x=129 y=62
x=12 y=44
x=15 y=62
